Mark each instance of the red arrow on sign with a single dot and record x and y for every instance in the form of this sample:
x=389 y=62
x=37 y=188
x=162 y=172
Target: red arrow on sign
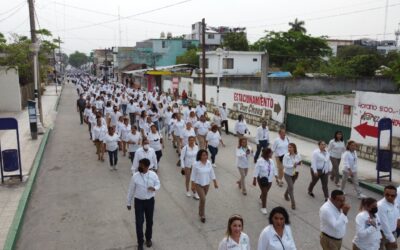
x=366 y=130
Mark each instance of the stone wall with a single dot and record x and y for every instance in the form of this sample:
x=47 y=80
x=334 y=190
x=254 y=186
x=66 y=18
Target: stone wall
x=369 y=152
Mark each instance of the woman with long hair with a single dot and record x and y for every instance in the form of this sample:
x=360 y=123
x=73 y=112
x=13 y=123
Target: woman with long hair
x=110 y=142
x=241 y=127
x=188 y=158
x=155 y=142
x=235 y=238
x=243 y=153
x=280 y=148
x=291 y=161
x=336 y=148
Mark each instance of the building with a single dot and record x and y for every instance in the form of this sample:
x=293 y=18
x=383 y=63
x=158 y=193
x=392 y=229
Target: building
x=239 y=63
x=335 y=44
x=386 y=46
x=102 y=62
x=161 y=52
x=122 y=58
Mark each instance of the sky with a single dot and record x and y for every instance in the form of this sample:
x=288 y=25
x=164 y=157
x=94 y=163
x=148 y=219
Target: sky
x=84 y=25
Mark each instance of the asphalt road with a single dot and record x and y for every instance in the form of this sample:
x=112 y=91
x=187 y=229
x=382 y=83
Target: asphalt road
x=78 y=203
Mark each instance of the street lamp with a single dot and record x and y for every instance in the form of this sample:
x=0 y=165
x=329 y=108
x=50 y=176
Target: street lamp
x=220 y=52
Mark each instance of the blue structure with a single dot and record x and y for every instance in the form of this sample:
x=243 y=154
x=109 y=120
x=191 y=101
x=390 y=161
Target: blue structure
x=161 y=52
x=384 y=155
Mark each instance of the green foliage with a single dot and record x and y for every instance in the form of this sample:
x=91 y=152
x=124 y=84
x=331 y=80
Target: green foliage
x=189 y=57
x=346 y=52
x=77 y=59
x=236 y=41
x=297 y=26
x=363 y=65
x=393 y=62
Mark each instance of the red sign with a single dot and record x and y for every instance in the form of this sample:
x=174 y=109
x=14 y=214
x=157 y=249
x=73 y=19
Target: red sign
x=367 y=130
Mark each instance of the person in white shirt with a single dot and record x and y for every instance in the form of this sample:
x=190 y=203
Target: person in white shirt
x=224 y=115
x=192 y=118
x=264 y=172
x=123 y=132
x=241 y=127
x=98 y=133
x=291 y=161
x=156 y=142
x=213 y=139
x=177 y=128
x=336 y=148
x=280 y=148
x=146 y=127
x=368 y=226
x=134 y=141
x=262 y=139
x=217 y=119
x=201 y=110
x=333 y=221
x=188 y=158
x=321 y=166
x=124 y=103
x=186 y=133
x=278 y=234
x=132 y=111
x=201 y=128
x=145 y=152
x=202 y=175
x=142 y=120
x=167 y=120
x=107 y=112
x=350 y=167
x=110 y=141
x=142 y=188
x=243 y=153
x=235 y=238
x=388 y=212
x=114 y=116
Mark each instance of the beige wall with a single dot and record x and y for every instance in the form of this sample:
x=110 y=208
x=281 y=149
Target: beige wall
x=10 y=92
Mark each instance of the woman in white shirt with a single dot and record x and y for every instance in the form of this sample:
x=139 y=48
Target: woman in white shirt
x=167 y=122
x=280 y=148
x=188 y=158
x=111 y=146
x=192 y=118
x=350 y=168
x=336 y=148
x=213 y=139
x=146 y=127
x=264 y=173
x=278 y=234
x=243 y=153
x=186 y=133
x=235 y=238
x=123 y=131
x=241 y=126
x=291 y=161
x=368 y=226
x=142 y=119
x=217 y=119
x=134 y=141
x=98 y=133
x=107 y=112
x=202 y=175
x=155 y=142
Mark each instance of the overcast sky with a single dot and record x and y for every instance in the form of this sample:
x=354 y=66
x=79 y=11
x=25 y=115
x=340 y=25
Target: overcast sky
x=89 y=24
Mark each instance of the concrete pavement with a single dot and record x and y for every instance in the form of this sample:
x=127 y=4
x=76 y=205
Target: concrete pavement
x=77 y=203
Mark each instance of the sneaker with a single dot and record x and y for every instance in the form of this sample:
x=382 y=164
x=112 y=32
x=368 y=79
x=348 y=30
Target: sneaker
x=214 y=165
x=188 y=194
x=111 y=168
x=264 y=211
x=196 y=196
x=361 y=196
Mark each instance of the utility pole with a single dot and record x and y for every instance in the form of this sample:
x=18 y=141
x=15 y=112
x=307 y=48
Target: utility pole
x=203 y=59
x=106 y=64
x=55 y=69
x=35 y=49
x=386 y=16
x=264 y=72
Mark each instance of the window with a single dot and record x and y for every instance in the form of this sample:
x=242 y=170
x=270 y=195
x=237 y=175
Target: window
x=164 y=44
x=186 y=44
x=210 y=36
x=201 y=63
x=227 y=63
x=255 y=60
x=193 y=26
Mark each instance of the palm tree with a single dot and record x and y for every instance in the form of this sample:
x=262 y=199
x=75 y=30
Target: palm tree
x=297 y=26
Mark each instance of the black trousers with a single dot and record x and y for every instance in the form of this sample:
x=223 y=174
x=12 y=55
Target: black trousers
x=81 y=116
x=224 y=123
x=144 y=209
x=262 y=144
x=113 y=156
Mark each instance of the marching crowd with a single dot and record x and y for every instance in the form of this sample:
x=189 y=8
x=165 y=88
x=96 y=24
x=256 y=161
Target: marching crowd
x=139 y=124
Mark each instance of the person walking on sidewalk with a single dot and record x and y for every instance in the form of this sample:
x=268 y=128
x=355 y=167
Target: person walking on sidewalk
x=134 y=141
x=243 y=153
x=280 y=148
x=235 y=238
x=188 y=158
x=111 y=141
x=336 y=148
x=123 y=132
x=321 y=166
x=142 y=188
x=350 y=168
x=80 y=107
x=241 y=127
x=145 y=152
x=201 y=128
x=156 y=142
x=262 y=138
x=333 y=221
x=202 y=175
x=224 y=116
x=388 y=212
x=264 y=173
x=368 y=226
x=98 y=133
x=213 y=139
x=291 y=161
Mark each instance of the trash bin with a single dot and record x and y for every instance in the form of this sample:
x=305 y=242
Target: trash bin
x=10 y=160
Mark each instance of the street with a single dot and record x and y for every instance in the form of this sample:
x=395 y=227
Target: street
x=78 y=203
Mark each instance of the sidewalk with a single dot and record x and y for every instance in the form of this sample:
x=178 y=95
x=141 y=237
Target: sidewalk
x=11 y=190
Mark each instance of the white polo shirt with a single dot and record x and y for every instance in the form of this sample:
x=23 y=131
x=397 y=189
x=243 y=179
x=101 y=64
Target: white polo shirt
x=270 y=240
x=230 y=244
x=333 y=221
x=111 y=141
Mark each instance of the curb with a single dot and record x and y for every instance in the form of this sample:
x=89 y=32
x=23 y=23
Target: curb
x=58 y=99
x=14 y=230
x=376 y=188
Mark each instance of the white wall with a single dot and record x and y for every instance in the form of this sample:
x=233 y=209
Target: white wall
x=10 y=92
x=242 y=64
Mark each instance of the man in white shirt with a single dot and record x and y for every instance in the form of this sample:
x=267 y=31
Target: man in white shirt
x=200 y=110
x=132 y=110
x=333 y=221
x=388 y=212
x=321 y=166
x=224 y=117
x=145 y=152
x=142 y=187
x=262 y=138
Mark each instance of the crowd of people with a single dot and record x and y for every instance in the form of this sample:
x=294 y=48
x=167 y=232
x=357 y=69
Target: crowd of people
x=139 y=124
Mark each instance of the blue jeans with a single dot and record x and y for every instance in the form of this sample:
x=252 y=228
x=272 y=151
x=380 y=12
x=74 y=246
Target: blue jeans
x=113 y=156
x=261 y=145
x=213 y=152
x=123 y=106
x=144 y=209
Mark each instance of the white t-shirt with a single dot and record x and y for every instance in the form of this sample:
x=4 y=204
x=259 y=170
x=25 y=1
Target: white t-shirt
x=280 y=147
x=111 y=142
x=186 y=134
x=202 y=127
x=242 y=157
x=136 y=138
x=202 y=174
x=154 y=141
x=213 y=139
x=230 y=244
x=188 y=156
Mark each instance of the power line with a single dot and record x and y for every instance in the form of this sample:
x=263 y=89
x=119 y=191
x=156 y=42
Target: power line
x=13 y=8
x=13 y=13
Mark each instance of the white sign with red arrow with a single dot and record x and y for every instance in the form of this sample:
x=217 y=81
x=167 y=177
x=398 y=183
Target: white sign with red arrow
x=369 y=108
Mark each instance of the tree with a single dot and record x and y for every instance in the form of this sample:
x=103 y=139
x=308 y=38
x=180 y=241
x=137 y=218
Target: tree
x=189 y=57
x=77 y=59
x=297 y=26
x=350 y=51
x=236 y=41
